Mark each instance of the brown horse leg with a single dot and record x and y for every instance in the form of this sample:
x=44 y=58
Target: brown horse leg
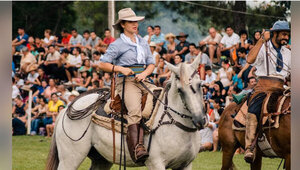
x=288 y=162
x=256 y=165
x=228 y=153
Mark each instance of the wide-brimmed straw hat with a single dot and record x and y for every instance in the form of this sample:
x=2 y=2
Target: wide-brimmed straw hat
x=127 y=14
x=167 y=36
x=33 y=67
x=152 y=44
x=182 y=35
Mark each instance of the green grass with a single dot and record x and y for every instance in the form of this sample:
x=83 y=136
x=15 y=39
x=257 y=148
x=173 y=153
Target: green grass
x=30 y=152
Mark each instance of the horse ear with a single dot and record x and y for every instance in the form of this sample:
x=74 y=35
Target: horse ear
x=196 y=62
x=173 y=68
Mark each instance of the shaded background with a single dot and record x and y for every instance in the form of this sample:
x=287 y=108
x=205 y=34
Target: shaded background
x=192 y=17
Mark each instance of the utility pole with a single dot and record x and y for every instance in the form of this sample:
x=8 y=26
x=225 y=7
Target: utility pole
x=111 y=16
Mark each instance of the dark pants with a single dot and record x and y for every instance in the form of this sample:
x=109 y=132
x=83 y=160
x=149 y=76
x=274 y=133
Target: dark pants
x=255 y=105
x=18 y=127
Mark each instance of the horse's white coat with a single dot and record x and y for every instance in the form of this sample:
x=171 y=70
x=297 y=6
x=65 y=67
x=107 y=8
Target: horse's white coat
x=171 y=146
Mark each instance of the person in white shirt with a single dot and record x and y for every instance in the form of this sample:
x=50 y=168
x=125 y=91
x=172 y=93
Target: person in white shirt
x=228 y=43
x=73 y=63
x=212 y=40
x=271 y=75
x=210 y=76
x=49 y=38
x=150 y=30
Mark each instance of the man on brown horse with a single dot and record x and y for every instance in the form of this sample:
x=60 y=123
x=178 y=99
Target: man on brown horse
x=273 y=61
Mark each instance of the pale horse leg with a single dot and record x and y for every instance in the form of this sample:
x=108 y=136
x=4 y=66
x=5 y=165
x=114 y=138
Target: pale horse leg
x=72 y=153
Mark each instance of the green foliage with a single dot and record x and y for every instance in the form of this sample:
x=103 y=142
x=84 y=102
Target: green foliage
x=35 y=17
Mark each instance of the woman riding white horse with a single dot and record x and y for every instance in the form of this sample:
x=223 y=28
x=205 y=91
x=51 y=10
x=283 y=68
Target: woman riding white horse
x=174 y=145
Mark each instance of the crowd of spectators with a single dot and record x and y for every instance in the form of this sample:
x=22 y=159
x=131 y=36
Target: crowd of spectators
x=59 y=68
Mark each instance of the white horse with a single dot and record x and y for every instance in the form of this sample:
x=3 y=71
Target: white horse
x=171 y=147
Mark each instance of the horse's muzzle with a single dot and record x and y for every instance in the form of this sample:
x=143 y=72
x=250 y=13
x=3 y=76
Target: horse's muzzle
x=200 y=122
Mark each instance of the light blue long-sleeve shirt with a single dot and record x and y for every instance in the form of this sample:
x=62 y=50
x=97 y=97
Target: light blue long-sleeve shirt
x=122 y=54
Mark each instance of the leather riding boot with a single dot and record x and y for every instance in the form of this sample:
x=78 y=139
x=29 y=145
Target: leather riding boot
x=137 y=151
x=251 y=125
x=140 y=150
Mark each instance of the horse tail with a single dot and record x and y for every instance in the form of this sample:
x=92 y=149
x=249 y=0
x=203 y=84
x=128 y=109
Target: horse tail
x=52 y=160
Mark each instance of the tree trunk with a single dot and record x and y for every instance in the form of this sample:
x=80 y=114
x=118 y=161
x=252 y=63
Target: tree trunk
x=239 y=19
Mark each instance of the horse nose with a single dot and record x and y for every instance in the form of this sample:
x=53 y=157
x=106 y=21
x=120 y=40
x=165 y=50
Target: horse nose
x=199 y=121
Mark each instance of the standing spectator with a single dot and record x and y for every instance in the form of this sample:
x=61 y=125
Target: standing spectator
x=86 y=43
x=183 y=47
x=49 y=38
x=51 y=63
x=21 y=40
x=27 y=59
x=76 y=39
x=150 y=30
x=53 y=105
x=108 y=38
x=212 y=41
x=158 y=37
x=189 y=58
x=228 y=43
x=170 y=47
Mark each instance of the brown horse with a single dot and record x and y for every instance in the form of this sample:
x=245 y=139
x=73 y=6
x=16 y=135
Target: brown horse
x=232 y=139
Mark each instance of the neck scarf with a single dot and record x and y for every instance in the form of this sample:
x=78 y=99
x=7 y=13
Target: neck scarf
x=279 y=58
x=140 y=51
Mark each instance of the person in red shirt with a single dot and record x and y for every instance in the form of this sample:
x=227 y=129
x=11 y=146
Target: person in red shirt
x=65 y=39
x=108 y=38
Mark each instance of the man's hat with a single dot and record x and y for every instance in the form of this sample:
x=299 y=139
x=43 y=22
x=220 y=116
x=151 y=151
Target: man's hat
x=127 y=14
x=281 y=26
x=182 y=35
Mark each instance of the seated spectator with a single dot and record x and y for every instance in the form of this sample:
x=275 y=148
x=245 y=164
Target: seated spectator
x=183 y=47
x=83 y=81
x=41 y=57
x=159 y=38
x=21 y=41
x=86 y=65
x=72 y=96
x=31 y=46
x=189 y=58
x=242 y=54
x=218 y=94
x=95 y=41
x=155 y=55
x=86 y=43
x=207 y=136
x=38 y=43
x=62 y=93
x=212 y=42
x=245 y=73
x=65 y=39
x=235 y=80
x=75 y=40
x=27 y=59
x=204 y=61
x=163 y=73
x=51 y=63
x=50 y=127
x=225 y=74
x=50 y=89
x=39 y=112
x=206 y=94
x=171 y=48
x=19 y=109
x=19 y=81
x=231 y=91
x=256 y=37
x=53 y=105
x=106 y=80
x=32 y=77
x=150 y=31
x=40 y=89
x=49 y=38
x=177 y=60
x=108 y=39
x=244 y=41
x=210 y=76
x=15 y=89
x=73 y=63
x=228 y=43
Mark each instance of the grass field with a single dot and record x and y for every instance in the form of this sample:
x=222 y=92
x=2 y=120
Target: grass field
x=30 y=152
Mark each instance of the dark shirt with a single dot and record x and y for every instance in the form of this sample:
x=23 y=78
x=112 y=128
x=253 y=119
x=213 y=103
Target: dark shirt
x=25 y=37
x=20 y=110
x=180 y=46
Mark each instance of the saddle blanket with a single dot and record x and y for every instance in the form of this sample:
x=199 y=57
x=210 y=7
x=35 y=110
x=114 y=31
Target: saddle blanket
x=268 y=120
